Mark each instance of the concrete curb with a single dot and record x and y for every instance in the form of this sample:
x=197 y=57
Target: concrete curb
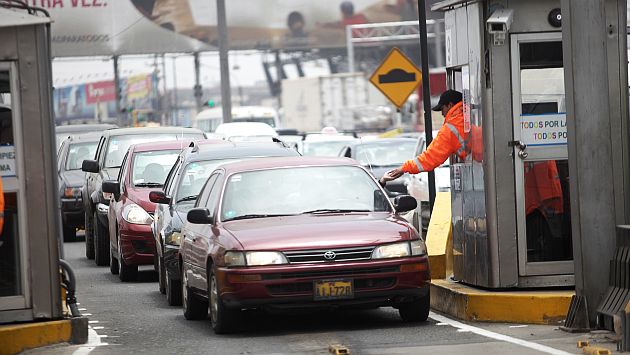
x=472 y=304
x=16 y=338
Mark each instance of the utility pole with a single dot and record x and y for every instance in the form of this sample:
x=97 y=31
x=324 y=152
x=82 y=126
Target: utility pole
x=198 y=91
x=426 y=92
x=117 y=92
x=175 y=98
x=226 y=99
x=167 y=99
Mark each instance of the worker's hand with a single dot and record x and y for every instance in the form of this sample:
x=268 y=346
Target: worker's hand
x=392 y=175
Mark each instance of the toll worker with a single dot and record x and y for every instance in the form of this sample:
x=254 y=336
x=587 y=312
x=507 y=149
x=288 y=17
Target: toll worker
x=450 y=139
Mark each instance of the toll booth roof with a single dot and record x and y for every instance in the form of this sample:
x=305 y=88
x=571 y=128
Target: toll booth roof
x=13 y=18
x=446 y=4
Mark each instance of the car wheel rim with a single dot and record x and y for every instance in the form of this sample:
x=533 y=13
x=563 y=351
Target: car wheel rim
x=214 y=298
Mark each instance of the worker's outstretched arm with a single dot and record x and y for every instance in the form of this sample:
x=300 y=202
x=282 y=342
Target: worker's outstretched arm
x=444 y=144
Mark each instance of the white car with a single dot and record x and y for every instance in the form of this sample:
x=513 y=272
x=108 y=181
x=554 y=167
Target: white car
x=246 y=131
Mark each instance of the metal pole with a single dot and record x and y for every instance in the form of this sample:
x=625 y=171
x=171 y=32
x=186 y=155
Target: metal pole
x=350 y=46
x=175 y=98
x=197 y=89
x=426 y=92
x=167 y=99
x=117 y=92
x=226 y=99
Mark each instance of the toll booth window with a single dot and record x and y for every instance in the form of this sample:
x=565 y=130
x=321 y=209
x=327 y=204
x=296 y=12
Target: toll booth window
x=542 y=78
x=10 y=246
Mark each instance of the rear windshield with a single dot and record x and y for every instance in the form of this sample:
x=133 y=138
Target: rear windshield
x=151 y=168
x=118 y=145
x=78 y=152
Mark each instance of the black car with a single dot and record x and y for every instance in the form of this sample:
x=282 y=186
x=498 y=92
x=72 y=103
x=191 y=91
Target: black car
x=110 y=152
x=186 y=179
x=70 y=157
x=381 y=155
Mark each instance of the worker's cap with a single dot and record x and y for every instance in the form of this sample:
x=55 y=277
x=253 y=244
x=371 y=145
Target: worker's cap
x=447 y=97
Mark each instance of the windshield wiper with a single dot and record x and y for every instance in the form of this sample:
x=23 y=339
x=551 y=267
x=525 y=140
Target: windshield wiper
x=148 y=184
x=252 y=216
x=333 y=210
x=187 y=198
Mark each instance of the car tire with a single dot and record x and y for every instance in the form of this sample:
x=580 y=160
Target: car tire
x=89 y=236
x=101 y=243
x=157 y=260
x=224 y=320
x=173 y=291
x=194 y=308
x=113 y=263
x=126 y=273
x=416 y=311
x=69 y=234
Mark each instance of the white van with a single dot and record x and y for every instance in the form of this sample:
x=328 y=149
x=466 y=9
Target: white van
x=208 y=120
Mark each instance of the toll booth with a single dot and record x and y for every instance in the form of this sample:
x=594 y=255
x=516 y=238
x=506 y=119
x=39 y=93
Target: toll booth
x=29 y=252
x=510 y=195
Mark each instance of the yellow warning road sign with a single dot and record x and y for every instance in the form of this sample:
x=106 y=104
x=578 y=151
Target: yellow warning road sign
x=397 y=77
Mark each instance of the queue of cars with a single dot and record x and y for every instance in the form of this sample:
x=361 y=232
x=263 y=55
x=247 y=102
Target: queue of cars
x=234 y=224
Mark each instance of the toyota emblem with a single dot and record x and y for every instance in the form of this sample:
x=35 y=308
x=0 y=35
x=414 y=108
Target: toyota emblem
x=330 y=255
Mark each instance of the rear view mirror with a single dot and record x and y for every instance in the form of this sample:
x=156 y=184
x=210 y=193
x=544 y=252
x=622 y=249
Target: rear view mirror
x=405 y=203
x=159 y=197
x=199 y=216
x=90 y=166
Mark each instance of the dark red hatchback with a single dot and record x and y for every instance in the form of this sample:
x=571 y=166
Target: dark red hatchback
x=130 y=214
x=300 y=233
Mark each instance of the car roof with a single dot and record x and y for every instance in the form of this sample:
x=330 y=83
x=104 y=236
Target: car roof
x=229 y=150
x=84 y=137
x=83 y=127
x=149 y=130
x=383 y=141
x=286 y=162
x=162 y=145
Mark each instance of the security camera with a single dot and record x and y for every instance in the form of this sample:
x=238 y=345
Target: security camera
x=500 y=21
x=499 y=24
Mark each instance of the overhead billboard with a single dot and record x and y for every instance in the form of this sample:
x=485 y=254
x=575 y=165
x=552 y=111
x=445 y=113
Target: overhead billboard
x=110 y=27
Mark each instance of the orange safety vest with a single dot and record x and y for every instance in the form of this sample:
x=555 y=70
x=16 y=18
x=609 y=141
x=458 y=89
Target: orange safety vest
x=543 y=190
x=1 y=207
x=449 y=140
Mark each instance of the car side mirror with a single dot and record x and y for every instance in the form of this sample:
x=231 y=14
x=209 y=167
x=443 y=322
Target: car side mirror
x=199 y=216
x=159 y=197
x=90 y=166
x=112 y=187
x=348 y=153
x=405 y=203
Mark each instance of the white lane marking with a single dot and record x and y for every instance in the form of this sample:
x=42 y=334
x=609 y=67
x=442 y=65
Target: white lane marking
x=441 y=323
x=86 y=314
x=518 y=326
x=497 y=336
x=93 y=341
x=97 y=328
x=463 y=331
x=92 y=321
x=82 y=309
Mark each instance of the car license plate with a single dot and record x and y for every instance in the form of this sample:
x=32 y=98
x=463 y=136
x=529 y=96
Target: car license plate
x=333 y=289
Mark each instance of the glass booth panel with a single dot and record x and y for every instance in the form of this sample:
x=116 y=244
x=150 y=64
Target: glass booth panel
x=12 y=273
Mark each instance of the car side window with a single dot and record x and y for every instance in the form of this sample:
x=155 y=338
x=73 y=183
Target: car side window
x=214 y=196
x=123 y=172
x=98 y=149
x=101 y=151
x=205 y=192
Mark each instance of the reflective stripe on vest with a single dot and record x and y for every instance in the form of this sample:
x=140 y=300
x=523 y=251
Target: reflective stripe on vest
x=418 y=164
x=462 y=142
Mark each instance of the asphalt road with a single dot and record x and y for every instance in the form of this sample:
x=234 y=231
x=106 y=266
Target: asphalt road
x=132 y=318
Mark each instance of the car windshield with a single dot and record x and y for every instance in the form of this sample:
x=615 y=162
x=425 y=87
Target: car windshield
x=324 y=149
x=118 y=145
x=151 y=168
x=301 y=190
x=194 y=177
x=378 y=154
x=78 y=152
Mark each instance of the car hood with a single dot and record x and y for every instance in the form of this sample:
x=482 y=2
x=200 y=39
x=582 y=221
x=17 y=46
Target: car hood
x=73 y=178
x=140 y=196
x=318 y=231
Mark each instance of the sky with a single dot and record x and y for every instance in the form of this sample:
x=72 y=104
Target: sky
x=245 y=69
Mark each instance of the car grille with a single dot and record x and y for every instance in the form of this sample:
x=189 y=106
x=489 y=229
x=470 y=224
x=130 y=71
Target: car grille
x=331 y=273
x=319 y=256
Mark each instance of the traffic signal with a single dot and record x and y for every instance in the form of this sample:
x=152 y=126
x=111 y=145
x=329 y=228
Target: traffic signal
x=211 y=103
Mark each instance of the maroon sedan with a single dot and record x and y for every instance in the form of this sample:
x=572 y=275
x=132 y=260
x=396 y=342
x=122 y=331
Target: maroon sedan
x=300 y=233
x=130 y=214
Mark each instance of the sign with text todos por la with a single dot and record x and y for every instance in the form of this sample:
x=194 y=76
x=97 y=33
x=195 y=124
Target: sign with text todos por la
x=544 y=130
x=7 y=161
x=397 y=77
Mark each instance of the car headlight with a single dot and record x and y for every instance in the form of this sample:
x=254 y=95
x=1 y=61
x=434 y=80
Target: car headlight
x=256 y=258
x=173 y=238
x=135 y=214
x=234 y=258
x=72 y=192
x=399 y=250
